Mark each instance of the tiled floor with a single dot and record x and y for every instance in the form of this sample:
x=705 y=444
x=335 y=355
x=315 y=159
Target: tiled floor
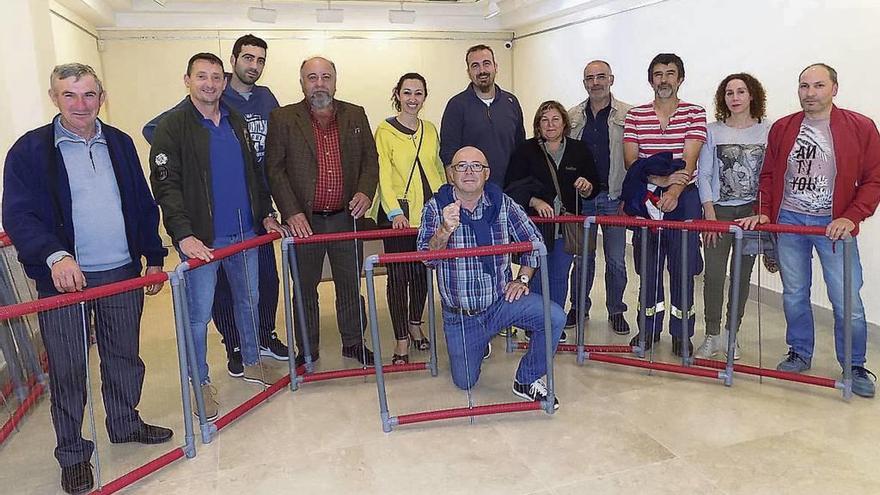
x=619 y=430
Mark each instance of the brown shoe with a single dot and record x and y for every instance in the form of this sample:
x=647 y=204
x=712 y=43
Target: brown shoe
x=212 y=407
x=261 y=374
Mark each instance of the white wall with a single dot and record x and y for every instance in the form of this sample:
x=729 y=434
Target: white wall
x=773 y=40
x=368 y=64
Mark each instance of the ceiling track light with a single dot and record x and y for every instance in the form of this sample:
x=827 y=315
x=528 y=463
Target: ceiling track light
x=401 y=16
x=330 y=15
x=262 y=14
x=492 y=9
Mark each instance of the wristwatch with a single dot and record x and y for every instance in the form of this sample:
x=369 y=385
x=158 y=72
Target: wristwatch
x=524 y=279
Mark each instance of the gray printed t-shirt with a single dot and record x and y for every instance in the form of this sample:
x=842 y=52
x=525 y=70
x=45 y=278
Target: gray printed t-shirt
x=809 y=179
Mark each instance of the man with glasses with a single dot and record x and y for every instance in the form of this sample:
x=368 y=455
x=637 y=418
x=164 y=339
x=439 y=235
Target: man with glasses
x=599 y=121
x=479 y=294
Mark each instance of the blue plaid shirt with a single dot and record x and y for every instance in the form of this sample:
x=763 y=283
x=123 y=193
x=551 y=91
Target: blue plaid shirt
x=462 y=281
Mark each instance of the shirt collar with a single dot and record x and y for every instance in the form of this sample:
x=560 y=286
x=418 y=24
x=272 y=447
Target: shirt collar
x=62 y=134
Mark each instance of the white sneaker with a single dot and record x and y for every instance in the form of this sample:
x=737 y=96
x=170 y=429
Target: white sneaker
x=710 y=347
x=735 y=351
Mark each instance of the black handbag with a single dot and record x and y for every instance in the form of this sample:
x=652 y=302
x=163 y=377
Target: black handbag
x=382 y=219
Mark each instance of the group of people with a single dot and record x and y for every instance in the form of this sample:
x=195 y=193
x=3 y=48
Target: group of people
x=221 y=156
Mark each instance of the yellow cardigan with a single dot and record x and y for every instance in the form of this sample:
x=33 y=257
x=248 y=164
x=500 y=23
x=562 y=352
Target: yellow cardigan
x=397 y=153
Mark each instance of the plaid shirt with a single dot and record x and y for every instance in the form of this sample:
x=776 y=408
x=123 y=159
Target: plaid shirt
x=462 y=281
x=328 y=187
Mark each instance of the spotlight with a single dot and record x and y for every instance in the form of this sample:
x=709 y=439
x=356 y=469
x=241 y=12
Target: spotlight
x=492 y=9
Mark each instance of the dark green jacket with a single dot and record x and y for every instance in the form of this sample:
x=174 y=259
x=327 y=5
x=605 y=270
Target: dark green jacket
x=180 y=173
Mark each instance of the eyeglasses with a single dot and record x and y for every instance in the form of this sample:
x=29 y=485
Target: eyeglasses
x=465 y=166
x=598 y=78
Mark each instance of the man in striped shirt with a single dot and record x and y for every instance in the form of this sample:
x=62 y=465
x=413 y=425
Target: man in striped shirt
x=670 y=125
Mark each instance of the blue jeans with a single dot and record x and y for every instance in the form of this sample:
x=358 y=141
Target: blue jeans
x=467 y=337
x=614 y=247
x=796 y=267
x=242 y=271
x=559 y=264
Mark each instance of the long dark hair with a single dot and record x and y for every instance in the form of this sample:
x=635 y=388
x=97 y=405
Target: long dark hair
x=395 y=93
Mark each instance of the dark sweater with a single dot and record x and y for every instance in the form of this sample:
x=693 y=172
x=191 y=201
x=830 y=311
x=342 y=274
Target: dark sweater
x=37 y=207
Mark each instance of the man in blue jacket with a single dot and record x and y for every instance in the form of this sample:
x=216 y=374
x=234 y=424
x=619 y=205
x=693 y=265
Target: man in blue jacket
x=55 y=180
x=253 y=102
x=483 y=116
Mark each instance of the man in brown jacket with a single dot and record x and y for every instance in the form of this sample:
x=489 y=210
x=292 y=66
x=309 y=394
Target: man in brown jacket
x=323 y=169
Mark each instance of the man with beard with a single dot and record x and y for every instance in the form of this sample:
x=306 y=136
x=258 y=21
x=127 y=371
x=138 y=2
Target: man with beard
x=483 y=116
x=323 y=170
x=254 y=103
x=667 y=125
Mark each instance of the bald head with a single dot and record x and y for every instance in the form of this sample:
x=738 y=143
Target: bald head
x=468 y=172
x=469 y=154
x=317 y=75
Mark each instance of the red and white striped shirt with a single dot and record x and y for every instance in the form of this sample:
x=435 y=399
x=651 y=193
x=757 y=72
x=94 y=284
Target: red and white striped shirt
x=642 y=126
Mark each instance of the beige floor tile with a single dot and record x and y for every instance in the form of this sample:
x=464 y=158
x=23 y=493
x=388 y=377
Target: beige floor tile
x=671 y=477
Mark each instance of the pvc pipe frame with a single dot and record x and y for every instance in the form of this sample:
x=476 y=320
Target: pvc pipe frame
x=290 y=271
x=728 y=368
x=388 y=422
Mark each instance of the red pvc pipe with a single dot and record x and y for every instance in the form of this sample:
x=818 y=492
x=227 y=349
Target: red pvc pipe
x=587 y=348
x=702 y=225
x=466 y=412
x=252 y=403
x=19 y=413
x=638 y=363
x=560 y=219
x=442 y=254
x=361 y=235
x=353 y=372
x=820 y=381
x=61 y=300
x=141 y=472
x=228 y=251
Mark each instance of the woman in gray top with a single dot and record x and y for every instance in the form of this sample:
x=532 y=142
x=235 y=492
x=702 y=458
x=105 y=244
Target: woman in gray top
x=727 y=179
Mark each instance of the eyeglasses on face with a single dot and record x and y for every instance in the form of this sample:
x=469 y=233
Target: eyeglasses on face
x=465 y=166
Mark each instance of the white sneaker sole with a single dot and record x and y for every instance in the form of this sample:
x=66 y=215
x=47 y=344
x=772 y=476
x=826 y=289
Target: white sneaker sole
x=266 y=352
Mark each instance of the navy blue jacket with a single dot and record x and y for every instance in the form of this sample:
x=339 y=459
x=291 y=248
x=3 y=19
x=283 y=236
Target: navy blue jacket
x=37 y=208
x=495 y=130
x=635 y=188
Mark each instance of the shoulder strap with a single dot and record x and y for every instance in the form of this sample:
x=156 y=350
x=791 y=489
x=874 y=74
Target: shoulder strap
x=416 y=162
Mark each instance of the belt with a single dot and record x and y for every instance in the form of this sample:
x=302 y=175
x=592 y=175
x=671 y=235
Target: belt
x=327 y=213
x=464 y=312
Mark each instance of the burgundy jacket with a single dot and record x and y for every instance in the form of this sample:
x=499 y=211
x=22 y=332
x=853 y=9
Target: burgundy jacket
x=857 y=155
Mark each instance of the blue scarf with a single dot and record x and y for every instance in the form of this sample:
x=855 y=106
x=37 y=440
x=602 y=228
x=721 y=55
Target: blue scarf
x=482 y=227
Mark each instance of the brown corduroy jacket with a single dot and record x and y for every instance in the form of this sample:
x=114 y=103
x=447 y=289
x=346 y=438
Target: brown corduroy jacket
x=291 y=163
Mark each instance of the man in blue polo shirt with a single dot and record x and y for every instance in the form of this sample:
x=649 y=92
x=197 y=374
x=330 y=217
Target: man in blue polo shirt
x=483 y=116
x=205 y=178
x=254 y=103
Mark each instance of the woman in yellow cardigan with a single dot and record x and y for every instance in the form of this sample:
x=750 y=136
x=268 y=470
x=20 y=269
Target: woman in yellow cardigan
x=410 y=171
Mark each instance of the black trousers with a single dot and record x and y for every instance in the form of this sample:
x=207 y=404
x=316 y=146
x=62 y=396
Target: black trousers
x=267 y=308
x=345 y=265
x=407 y=287
x=117 y=329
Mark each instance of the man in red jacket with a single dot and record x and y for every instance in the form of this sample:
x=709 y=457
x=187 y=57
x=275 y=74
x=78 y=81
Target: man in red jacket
x=822 y=168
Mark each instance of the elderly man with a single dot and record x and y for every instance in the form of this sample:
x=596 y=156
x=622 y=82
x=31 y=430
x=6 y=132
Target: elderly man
x=254 y=103
x=56 y=178
x=323 y=169
x=672 y=126
x=822 y=169
x=483 y=115
x=598 y=121
x=204 y=175
x=480 y=296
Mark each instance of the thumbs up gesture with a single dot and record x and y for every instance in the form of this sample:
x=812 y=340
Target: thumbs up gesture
x=452 y=216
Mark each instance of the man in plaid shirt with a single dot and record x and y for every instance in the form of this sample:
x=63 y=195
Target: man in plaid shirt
x=479 y=294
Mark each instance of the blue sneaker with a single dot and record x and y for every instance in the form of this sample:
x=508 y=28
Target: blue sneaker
x=862 y=384
x=794 y=363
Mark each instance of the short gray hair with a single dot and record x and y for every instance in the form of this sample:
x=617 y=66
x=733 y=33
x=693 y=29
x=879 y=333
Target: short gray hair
x=76 y=71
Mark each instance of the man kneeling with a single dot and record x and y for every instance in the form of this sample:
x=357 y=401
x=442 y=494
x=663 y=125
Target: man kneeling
x=479 y=294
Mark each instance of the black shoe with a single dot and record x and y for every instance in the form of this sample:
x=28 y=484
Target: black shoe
x=563 y=336
x=77 y=478
x=234 y=366
x=571 y=318
x=301 y=359
x=360 y=352
x=677 y=347
x=147 y=434
x=274 y=349
x=649 y=343
x=400 y=359
x=535 y=391
x=619 y=324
